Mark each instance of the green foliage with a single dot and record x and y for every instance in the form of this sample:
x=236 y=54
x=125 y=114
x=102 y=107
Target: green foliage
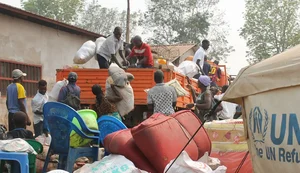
x=271 y=27
x=66 y=11
x=103 y=20
x=187 y=21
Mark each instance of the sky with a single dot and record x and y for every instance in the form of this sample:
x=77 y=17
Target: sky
x=233 y=15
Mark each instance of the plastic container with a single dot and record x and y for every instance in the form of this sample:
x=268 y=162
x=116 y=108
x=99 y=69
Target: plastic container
x=38 y=147
x=90 y=118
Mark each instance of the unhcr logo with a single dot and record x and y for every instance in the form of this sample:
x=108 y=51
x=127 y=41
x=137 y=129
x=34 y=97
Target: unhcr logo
x=258 y=125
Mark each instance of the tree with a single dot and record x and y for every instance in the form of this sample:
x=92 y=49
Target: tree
x=99 y=19
x=187 y=21
x=66 y=11
x=103 y=20
x=271 y=27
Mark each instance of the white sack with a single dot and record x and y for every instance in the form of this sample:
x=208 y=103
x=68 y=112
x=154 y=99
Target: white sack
x=118 y=75
x=110 y=164
x=188 y=68
x=58 y=171
x=99 y=43
x=126 y=105
x=178 y=88
x=185 y=164
x=85 y=53
x=44 y=140
x=16 y=145
x=53 y=94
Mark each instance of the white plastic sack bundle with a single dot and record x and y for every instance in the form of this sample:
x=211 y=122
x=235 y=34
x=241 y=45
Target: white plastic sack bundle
x=16 y=145
x=99 y=43
x=44 y=140
x=118 y=75
x=85 y=53
x=178 y=88
x=110 y=164
x=185 y=164
x=213 y=163
x=126 y=105
x=53 y=94
x=188 y=68
x=58 y=171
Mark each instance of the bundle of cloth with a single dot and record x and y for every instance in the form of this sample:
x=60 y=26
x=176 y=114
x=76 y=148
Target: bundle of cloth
x=119 y=78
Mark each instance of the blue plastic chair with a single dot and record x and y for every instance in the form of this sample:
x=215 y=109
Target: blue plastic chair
x=60 y=129
x=65 y=111
x=107 y=125
x=59 y=118
x=22 y=158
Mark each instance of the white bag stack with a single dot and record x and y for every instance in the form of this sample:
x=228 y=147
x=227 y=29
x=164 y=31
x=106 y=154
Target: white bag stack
x=53 y=95
x=111 y=163
x=188 y=68
x=85 y=53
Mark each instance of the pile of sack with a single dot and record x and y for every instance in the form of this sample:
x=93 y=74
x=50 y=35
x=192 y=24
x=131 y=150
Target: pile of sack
x=121 y=80
x=88 y=50
x=150 y=146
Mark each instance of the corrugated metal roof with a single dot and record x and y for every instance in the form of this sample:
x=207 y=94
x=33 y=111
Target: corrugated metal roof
x=25 y=15
x=172 y=52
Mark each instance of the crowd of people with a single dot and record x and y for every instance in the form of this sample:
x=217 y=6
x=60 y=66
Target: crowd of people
x=161 y=98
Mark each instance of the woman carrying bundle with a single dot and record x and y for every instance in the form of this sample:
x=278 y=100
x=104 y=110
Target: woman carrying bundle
x=105 y=105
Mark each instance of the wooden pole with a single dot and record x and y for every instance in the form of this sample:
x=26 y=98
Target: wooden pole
x=128 y=21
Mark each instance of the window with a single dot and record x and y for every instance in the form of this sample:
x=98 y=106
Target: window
x=34 y=74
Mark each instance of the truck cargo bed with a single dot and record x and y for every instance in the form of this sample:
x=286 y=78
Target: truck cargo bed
x=143 y=79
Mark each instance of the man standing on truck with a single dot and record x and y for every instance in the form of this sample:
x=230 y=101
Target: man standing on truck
x=109 y=48
x=200 y=54
x=16 y=98
x=161 y=98
x=142 y=52
x=70 y=94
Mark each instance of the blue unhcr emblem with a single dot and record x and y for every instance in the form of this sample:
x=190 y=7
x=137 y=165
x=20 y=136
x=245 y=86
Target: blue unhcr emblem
x=258 y=125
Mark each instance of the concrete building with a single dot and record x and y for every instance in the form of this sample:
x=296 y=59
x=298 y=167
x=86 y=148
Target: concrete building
x=38 y=46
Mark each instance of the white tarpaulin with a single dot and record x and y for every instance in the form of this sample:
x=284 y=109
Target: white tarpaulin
x=269 y=93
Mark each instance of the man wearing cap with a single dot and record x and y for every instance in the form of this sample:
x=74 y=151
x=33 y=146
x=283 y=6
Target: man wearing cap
x=71 y=88
x=16 y=98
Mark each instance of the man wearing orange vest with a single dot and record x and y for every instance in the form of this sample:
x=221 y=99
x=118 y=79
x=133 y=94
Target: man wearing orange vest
x=215 y=73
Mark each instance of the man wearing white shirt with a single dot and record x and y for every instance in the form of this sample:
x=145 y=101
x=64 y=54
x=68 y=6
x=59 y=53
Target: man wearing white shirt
x=200 y=54
x=37 y=105
x=109 y=48
x=229 y=109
